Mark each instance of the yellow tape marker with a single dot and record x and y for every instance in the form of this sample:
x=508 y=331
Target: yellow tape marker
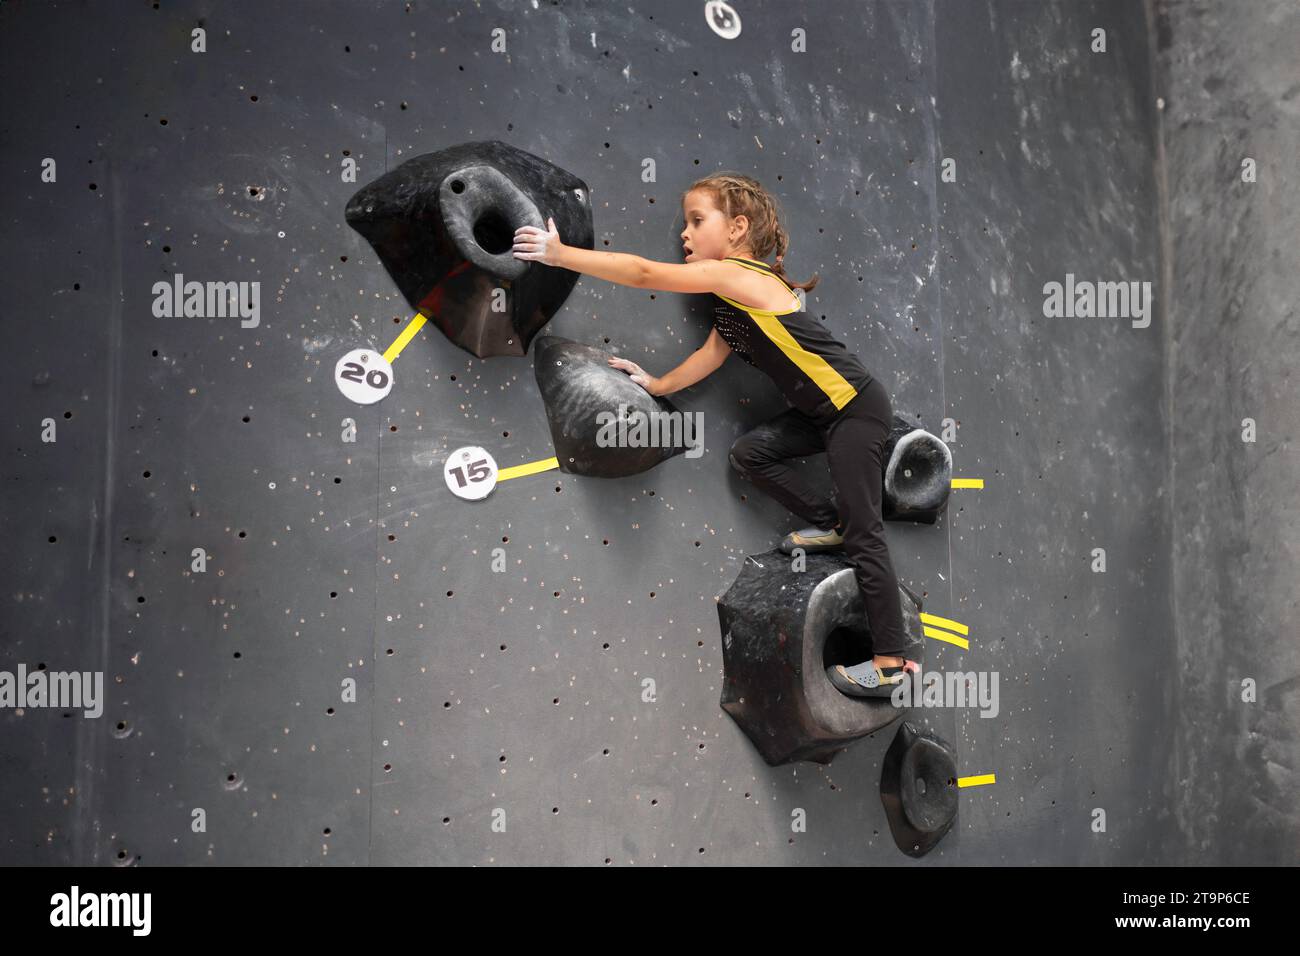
x=968 y=482
x=939 y=635
x=531 y=468
x=983 y=780
x=412 y=327
x=944 y=622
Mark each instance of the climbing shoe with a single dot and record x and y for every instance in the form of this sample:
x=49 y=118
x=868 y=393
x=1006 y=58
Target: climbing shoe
x=868 y=680
x=812 y=539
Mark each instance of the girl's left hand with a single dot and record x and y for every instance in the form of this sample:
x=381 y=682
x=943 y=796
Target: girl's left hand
x=538 y=245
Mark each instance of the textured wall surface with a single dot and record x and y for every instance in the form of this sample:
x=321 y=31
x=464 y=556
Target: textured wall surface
x=1233 y=94
x=522 y=691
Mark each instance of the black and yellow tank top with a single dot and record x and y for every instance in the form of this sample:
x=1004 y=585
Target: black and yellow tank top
x=815 y=372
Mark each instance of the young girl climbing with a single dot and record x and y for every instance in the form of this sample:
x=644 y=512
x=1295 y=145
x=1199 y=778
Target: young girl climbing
x=731 y=224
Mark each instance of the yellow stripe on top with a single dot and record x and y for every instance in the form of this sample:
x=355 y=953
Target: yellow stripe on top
x=744 y=263
x=836 y=387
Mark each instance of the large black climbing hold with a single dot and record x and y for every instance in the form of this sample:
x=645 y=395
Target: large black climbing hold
x=918 y=786
x=443 y=225
x=918 y=474
x=781 y=629
x=603 y=424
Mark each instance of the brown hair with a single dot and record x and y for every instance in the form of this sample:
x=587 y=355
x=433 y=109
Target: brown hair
x=739 y=195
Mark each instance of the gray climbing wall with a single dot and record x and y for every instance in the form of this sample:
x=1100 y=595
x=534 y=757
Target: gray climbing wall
x=521 y=696
x=1232 y=97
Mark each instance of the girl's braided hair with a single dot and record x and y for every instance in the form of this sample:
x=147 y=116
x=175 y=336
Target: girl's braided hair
x=739 y=195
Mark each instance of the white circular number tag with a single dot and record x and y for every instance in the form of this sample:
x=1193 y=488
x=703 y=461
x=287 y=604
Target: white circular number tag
x=471 y=473
x=364 y=376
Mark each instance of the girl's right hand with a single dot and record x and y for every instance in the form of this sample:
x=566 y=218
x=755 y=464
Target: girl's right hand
x=637 y=373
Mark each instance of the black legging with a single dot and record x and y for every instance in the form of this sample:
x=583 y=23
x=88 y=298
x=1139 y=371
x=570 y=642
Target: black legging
x=853 y=443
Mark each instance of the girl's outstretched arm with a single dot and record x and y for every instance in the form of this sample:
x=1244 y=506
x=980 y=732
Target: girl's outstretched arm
x=709 y=275
x=706 y=276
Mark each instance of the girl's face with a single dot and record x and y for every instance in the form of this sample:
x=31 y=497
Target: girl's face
x=707 y=234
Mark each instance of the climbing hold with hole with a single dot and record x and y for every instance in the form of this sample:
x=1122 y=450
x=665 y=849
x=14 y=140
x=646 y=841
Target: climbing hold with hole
x=918 y=474
x=918 y=786
x=781 y=629
x=443 y=225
